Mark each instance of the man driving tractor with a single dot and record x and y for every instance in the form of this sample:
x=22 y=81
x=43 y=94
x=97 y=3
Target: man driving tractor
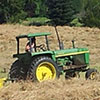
x=30 y=45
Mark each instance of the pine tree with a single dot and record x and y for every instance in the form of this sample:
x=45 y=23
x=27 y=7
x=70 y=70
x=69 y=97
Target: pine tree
x=40 y=8
x=16 y=10
x=3 y=11
x=92 y=13
x=30 y=8
x=12 y=10
x=60 y=11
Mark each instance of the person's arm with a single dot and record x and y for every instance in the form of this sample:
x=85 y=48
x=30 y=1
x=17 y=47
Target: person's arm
x=27 y=48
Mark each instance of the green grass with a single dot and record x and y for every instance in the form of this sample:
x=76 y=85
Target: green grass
x=3 y=74
x=75 y=22
x=38 y=21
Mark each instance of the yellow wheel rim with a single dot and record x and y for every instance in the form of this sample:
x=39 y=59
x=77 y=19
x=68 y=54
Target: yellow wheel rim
x=45 y=71
x=93 y=75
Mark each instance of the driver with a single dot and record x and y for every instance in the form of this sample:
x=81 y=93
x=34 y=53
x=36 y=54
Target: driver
x=30 y=45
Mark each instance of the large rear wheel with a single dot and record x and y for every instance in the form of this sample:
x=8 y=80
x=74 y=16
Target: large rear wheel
x=43 y=68
x=17 y=71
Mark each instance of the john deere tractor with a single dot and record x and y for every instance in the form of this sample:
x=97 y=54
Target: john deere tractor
x=46 y=64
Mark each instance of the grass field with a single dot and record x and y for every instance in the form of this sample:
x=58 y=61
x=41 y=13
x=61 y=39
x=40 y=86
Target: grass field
x=3 y=73
x=61 y=89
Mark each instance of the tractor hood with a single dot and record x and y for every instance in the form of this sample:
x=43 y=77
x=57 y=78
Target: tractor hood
x=68 y=52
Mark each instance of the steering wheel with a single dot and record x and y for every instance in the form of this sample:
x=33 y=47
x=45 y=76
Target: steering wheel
x=42 y=47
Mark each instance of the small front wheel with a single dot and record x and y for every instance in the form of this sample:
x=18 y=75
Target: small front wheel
x=91 y=74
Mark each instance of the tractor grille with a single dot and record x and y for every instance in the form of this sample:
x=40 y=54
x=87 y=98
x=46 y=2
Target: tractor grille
x=79 y=59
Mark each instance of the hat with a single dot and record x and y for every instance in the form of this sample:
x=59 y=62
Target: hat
x=33 y=39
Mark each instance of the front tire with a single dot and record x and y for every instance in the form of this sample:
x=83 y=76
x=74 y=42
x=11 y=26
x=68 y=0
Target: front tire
x=91 y=74
x=43 y=68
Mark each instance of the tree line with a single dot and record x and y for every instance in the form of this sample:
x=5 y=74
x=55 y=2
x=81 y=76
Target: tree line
x=60 y=12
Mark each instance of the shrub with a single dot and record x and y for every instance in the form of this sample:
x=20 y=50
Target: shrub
x=92 y=13
x=76 y=22
x=38 y=21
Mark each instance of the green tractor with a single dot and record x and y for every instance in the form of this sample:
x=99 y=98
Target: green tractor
x=45 y=64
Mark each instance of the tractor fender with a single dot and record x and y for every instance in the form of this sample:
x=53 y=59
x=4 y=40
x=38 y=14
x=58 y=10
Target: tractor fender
x=44 y=53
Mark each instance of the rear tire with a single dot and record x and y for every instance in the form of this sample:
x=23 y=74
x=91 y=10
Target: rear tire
x=43 y=68
x=17 y=72
x=91 y=74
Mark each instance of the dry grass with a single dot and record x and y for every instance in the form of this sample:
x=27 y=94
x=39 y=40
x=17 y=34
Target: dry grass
x=76 y=89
